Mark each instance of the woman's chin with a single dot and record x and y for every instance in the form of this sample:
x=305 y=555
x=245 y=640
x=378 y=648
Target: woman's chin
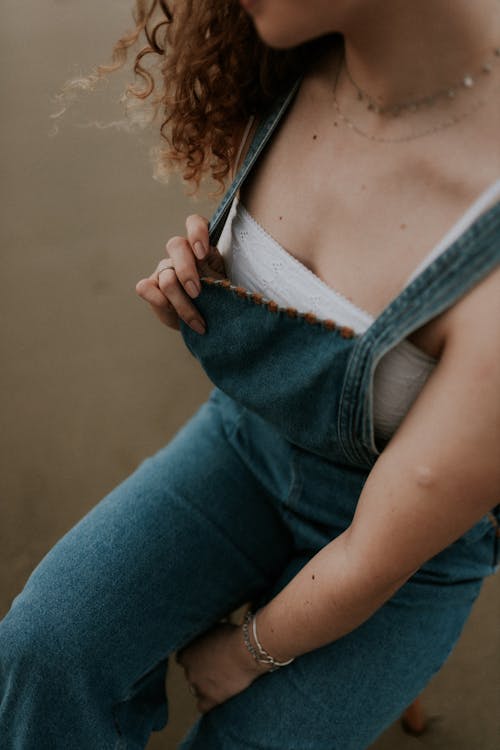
x=279 y=38
x=283 y=24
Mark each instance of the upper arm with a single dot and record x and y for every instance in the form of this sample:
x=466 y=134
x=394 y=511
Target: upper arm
x=440 y=473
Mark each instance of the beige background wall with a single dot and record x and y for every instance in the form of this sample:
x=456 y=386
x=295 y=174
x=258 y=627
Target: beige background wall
x=90 y=382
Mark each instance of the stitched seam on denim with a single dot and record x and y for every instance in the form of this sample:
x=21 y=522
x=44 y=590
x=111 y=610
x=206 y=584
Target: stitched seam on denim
x=227 y=538
x=438 y=294
x=231 y=434
x=121 y=740
x=190 y=634
x=295 y=485
x=152 y=666
x=343 y=420
x=400 y=319
x=493 y=520
x=442 y=297
x=347 y=412
x=495 y=528
x=231 y=430
x=418 y=295
x=272 y=306
x=452 y=259
x=495 y=562
x=265 y=491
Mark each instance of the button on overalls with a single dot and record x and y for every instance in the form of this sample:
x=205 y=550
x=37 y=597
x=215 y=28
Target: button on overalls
x=263 y=476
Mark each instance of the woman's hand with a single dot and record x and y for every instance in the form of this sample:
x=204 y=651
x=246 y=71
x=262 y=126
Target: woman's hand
x=217 y=665
x=176 y=281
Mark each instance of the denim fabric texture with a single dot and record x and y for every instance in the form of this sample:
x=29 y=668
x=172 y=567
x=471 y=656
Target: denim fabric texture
x=263 y=476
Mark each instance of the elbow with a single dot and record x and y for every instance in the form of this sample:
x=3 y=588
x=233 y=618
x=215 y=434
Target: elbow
x=425 y=477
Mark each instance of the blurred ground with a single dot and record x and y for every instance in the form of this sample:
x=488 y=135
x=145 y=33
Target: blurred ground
x=90 y=382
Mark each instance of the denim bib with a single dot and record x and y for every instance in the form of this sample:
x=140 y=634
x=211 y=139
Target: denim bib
x=311 y=379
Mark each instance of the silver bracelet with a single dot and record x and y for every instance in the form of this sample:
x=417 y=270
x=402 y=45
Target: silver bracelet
x=259 y=654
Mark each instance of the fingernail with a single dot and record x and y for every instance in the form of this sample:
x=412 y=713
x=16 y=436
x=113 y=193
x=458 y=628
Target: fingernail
x=192 y=289
x=199 y=250
x=197 y=326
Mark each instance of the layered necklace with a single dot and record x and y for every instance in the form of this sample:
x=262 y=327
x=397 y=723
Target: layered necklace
x=467 y=82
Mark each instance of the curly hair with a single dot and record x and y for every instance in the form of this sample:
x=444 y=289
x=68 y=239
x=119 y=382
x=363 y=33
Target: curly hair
x=206 y=70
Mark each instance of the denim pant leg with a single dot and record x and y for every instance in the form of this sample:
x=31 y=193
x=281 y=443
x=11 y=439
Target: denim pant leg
x=344 y=695
x=189 y=536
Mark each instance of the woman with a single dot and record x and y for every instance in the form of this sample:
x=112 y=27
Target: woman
x=343 y=475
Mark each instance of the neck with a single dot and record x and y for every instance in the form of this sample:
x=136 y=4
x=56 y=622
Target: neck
x=398 y=51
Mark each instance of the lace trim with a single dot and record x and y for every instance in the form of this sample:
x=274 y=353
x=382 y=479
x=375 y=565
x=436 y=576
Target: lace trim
x=303 y=268
x=484 y=201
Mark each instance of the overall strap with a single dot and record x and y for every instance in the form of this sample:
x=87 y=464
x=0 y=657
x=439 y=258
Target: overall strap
x=468 y=260
x=465 y=262
x=261 y=137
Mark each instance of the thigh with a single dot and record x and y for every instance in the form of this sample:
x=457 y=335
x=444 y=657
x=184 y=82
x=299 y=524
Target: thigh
x=342 y=696
x=190 y=535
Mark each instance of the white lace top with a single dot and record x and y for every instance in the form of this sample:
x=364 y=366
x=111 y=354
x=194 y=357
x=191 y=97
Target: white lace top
x=256 y=261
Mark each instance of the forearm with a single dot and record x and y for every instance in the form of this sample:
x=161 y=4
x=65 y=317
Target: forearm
x=330 y=596
x=434 y=481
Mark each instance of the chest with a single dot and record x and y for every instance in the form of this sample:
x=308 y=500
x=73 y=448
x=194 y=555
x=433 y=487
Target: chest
x=361 y=216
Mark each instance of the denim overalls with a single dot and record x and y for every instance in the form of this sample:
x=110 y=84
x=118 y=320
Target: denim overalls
x=265 y=474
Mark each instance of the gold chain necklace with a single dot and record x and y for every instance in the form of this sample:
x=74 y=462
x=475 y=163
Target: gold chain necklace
x=467 y=82
x=450 y=92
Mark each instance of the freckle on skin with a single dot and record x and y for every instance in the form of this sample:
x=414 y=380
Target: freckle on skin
x=313 y=576
x=402 y=226
x=281 y=218
x=314 y=137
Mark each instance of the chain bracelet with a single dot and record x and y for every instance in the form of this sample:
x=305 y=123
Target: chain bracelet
x=259 y=654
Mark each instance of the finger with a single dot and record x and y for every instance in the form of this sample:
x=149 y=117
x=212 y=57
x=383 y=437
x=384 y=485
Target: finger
x=168 y=283
x=148 y=291
x=197 y=234
x=179 y=251
x=213 y=264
